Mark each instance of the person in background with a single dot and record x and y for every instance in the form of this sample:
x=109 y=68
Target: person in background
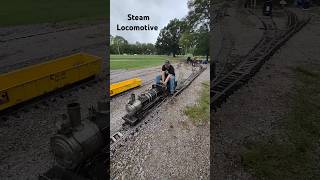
x=194 y=61
x=189 y=60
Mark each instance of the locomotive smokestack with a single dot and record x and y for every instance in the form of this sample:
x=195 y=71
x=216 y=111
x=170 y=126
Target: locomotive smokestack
x=74 y=114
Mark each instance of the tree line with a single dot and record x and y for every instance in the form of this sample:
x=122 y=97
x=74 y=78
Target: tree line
x=119 y=45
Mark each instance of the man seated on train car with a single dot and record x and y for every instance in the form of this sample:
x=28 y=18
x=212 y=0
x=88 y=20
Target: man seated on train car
x=167 y=75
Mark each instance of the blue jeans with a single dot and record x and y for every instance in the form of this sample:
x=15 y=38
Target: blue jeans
x=171 y=82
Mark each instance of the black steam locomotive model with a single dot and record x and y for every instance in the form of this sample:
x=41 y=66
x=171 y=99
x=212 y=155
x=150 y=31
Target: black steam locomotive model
x=138 y=108
x=80 y=146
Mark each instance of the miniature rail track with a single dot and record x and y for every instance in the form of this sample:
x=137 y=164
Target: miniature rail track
x=4 y=40
x=127 y=131
x=7 y=68
x=271 y=41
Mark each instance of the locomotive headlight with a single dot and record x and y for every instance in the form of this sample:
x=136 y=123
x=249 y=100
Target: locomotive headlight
x=134 y=107
x=71 y=149
x=66 y=151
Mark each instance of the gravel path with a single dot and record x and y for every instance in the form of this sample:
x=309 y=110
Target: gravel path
x=170 y=146
x=117 y=103
x=257 y=109
x=235 y=35
x=24 y=137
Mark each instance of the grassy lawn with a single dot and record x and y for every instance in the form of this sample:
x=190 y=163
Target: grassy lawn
x=138 y=61
x=200 y=112
x=295 y=153
x=19 y=12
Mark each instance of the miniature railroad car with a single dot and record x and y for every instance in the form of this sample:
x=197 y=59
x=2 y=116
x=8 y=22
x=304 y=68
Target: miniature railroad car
x=27 y=83
x=123 y=86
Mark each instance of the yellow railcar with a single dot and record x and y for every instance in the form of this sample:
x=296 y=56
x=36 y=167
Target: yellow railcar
x=123 y=86
x=33 y=81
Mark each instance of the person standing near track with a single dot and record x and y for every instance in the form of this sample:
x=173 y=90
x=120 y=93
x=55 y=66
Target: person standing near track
x=167 y=75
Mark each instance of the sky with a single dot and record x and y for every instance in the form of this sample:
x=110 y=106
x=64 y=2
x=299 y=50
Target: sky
x=159 y=11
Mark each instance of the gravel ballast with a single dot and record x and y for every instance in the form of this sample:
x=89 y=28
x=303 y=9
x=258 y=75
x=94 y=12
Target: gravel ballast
x=25 y=136
x=170 y=146
x=257 y=110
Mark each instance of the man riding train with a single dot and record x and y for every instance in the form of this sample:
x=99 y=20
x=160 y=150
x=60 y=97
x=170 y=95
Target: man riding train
x=167 y=75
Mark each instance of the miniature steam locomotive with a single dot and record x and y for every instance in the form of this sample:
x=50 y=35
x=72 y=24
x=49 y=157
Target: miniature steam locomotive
x=80 y=146
x=138 y=108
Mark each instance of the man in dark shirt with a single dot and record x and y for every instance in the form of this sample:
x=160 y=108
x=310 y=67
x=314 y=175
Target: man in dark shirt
x=167 y=75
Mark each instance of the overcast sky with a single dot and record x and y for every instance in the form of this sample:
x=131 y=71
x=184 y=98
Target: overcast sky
x=159 y=11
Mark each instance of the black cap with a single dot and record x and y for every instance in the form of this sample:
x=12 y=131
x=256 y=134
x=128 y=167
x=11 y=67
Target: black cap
x=167 y=62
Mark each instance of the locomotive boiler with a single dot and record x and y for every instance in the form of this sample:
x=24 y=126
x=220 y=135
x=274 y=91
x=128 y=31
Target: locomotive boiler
x=138 y=108
x=79 y=146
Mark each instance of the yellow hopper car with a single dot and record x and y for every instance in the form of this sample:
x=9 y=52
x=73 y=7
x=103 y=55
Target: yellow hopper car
x=33 y=81
x=123 y=86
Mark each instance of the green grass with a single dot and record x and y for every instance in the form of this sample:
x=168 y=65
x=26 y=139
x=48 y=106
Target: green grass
x=295 y=153
x=138 y=61
x=20 y=12
x=200 y=112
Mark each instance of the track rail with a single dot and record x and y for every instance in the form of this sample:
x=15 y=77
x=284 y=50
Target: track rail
x=271 y=41
x=46 y=100
x=10 y=67
x=4 y=40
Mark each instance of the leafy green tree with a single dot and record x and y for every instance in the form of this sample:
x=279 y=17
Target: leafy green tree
x=119 y=45
x=119 y=42
x=199 y=19
x=199 y=13
x=187 y=42
x=202 y=42
x=168 y=39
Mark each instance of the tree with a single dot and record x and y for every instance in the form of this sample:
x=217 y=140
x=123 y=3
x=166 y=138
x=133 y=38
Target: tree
x=119 y=45
x=199 y=13
x=202 y=42
x=119 y=42
x=168 y=39
x=199 y=19
x=187 y=42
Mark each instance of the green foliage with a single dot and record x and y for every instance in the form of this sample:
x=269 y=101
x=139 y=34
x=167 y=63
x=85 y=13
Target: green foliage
x=294 y=154
x=168 y=40
x=120 y=45
x=19 y=12
x=199 y=19
x=198 y=13
x=140 y=48
x=189 y=34
x=202 y=42
x=187 y=42
x=200 y=112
